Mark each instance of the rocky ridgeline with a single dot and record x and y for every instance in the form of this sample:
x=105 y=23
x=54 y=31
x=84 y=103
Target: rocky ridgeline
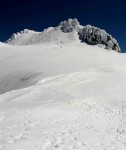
x=90 y=34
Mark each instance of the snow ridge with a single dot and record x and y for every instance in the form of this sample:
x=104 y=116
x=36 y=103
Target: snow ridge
x=66 y=32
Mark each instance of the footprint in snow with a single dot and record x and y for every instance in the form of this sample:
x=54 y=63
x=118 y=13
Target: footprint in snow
x=15 y=138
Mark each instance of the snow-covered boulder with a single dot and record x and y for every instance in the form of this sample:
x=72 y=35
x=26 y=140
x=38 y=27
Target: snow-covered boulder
x=69 y=25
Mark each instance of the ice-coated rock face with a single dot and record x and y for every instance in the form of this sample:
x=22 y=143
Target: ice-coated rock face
x=90 y=34
x=93 y=35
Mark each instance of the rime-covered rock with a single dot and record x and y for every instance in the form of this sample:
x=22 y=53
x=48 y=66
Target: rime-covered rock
x=69 y=25
x=93 y=35
x=90 y=34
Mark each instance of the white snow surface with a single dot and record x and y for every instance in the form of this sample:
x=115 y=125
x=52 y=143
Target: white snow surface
x=62 y=96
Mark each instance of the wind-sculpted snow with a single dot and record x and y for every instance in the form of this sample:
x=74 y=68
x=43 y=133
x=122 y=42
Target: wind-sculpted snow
x=15 y=35
x=67 y=32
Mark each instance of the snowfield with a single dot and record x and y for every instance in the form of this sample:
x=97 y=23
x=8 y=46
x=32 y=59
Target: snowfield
x=62 y=96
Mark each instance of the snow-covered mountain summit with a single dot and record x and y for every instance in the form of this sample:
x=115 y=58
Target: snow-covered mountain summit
x=66 y=32
x=63 y=94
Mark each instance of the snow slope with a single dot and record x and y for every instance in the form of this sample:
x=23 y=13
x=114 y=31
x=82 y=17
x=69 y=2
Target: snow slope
x=50 y=35
x=62 y=96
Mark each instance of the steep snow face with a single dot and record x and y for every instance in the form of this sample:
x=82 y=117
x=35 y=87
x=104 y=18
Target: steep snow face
x=67 y=32
x=90 y=34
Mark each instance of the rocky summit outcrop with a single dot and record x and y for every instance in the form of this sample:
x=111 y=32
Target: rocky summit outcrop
x=66 y=32
x=90 y=34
